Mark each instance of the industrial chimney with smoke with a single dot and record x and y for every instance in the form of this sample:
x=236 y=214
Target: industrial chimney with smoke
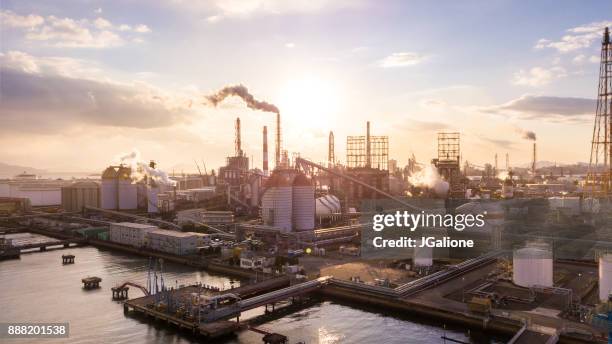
x=252 y=103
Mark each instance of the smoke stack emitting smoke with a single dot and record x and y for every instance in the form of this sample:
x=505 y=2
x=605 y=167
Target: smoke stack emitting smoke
x=529 y=135
x=141 y=169
x=252 y=103
x=242 y=92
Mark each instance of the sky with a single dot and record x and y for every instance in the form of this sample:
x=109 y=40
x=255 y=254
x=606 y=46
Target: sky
x=83 y=82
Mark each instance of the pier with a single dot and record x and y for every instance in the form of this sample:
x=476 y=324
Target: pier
x=91 y=282
x=67 y=259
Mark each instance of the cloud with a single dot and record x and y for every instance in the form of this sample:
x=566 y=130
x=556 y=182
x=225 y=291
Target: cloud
x=71 y=33
x=402 y=59
x=49 y=93
x=417 y=125
x=501 y=143
x=214 y=19
x=554 y=109
x=12 y=20
x=142 y=29
x=579 y=37
x=538 y=76
x=244 y=8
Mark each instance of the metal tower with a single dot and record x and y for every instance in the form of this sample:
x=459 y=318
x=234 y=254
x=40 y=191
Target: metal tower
x=331 y=159
x=599 y=176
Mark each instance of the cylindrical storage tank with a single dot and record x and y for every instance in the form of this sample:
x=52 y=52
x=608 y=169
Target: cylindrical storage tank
x=303 y=204
x=605 y=276
x=532 y=266
x=80 y=194
x=422 y=256
x=276 y=203
x=127 y=190
x=108 y=188
x=152 y=192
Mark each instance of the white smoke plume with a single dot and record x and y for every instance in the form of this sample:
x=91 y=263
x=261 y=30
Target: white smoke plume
x=141 y=169
x=429 y=178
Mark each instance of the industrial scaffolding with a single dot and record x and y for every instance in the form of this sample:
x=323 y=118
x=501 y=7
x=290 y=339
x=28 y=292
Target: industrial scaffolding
x=449 y=147
x=360 y=154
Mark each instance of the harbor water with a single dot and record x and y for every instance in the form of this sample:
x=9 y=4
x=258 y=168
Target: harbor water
x=38 y=288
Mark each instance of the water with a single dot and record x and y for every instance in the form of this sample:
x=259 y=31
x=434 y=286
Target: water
x=38 y=288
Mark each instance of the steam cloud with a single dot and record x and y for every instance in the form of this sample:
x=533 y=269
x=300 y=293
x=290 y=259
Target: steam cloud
x=141 y=169
x=242 y=92
x=429 y=178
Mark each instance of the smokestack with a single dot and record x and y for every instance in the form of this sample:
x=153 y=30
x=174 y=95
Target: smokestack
x=495 y=164
x=507 y=162
x=265 y=150
x=606 y=38
x=330 y=150
x=277 y=157
x=533 y=164
x=238 y=141
x=368 y=151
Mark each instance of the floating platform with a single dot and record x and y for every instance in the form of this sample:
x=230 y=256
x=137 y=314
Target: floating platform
x=91 y=282
x=67 y=259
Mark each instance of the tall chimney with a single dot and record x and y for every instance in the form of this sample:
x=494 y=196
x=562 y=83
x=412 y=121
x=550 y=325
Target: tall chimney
x=368 y=148
x=330 y=152
x=238 y=142
x=277 y=156
x=265 y=150
x=533 y=164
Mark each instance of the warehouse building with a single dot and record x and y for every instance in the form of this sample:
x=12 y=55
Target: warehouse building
x=179 y=243
x=128 y=233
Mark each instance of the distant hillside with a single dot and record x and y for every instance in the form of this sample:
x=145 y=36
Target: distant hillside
x=7 y=170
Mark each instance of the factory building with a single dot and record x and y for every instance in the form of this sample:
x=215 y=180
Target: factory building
x=13 y=205
x=132 y=234
x=208 y=217
x=173 y=242
x=40 y=192
x=79 y=194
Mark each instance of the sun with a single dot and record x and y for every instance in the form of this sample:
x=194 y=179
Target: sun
x=310 y=101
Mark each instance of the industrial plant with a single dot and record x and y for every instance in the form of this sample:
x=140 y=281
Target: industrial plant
x=540 y=270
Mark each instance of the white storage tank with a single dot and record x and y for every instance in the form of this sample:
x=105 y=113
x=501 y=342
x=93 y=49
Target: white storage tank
x=532 y=265
x=605 y=276
x=303 y=204
x=422 y=256
x=127 y=189
x=276 y=202
x=327 y=205
x=108 y=188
